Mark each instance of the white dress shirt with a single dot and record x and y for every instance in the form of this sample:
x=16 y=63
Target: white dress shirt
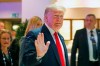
x=90 y=43
x=52 y=33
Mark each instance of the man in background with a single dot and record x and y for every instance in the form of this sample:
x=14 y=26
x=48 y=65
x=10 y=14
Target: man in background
x=87 y=44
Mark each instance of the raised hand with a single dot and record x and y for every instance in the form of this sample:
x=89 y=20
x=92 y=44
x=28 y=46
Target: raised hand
x=41 y=47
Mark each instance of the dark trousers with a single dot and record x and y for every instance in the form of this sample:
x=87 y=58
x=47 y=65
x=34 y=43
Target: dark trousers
x=92 y=63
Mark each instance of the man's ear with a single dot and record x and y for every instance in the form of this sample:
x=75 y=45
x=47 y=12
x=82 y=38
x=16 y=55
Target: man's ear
x=45 y=18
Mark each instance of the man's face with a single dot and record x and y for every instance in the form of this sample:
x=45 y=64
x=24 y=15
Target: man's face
x=90 y=22
x=54 y=19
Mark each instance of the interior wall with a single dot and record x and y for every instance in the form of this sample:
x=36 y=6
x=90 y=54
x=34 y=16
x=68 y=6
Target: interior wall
x=9 y=8
x=79 y=3
x=32 y=8
x=80 y=13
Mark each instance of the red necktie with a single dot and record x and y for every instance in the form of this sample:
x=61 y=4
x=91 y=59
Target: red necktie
x=60 y=52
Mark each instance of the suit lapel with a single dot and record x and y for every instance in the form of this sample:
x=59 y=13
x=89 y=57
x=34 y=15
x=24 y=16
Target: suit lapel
x=85 y=36
x=1 y=56
x=48 y=37
x=65 y=49
x=98 y=36
x=85 y=39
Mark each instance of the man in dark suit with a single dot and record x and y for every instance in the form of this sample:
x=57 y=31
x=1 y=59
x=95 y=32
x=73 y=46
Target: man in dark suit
x=41 y=45
x=87 y=42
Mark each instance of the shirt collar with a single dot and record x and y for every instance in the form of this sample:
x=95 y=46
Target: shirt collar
x=50 y=29
x=94 y=30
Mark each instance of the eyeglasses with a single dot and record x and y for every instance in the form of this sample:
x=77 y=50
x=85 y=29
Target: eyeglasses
x=6 y=39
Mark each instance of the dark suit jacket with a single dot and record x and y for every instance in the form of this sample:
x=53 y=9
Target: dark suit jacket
x=51 y=57
x=80 y=43
x=12 y=55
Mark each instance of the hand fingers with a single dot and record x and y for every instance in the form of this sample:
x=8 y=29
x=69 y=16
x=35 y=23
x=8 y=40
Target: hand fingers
x=36 y=43
x=40 y=38
x=47 y=44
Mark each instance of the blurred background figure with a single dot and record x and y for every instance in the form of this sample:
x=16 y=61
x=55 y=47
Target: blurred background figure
x=15 y=43
x=13 y=33
x=1 y=25
x=7 y=56
x=34 y=22
x=86 y=44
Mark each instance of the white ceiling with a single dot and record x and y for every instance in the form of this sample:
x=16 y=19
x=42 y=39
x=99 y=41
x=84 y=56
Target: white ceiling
x=79 y=3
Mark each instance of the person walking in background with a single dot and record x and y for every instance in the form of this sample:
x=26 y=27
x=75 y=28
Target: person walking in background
x=13 y=33
x=15 y=44
x=87 y=42
x=45 y=46
x=2 y=26
x=7 y=56
x=34 y=22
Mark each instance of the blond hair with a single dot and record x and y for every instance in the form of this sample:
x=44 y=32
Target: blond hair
x=33 y=21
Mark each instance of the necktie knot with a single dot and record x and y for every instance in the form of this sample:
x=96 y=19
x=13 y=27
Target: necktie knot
x=55 y=34
x=91 y=33
x=56 y=37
